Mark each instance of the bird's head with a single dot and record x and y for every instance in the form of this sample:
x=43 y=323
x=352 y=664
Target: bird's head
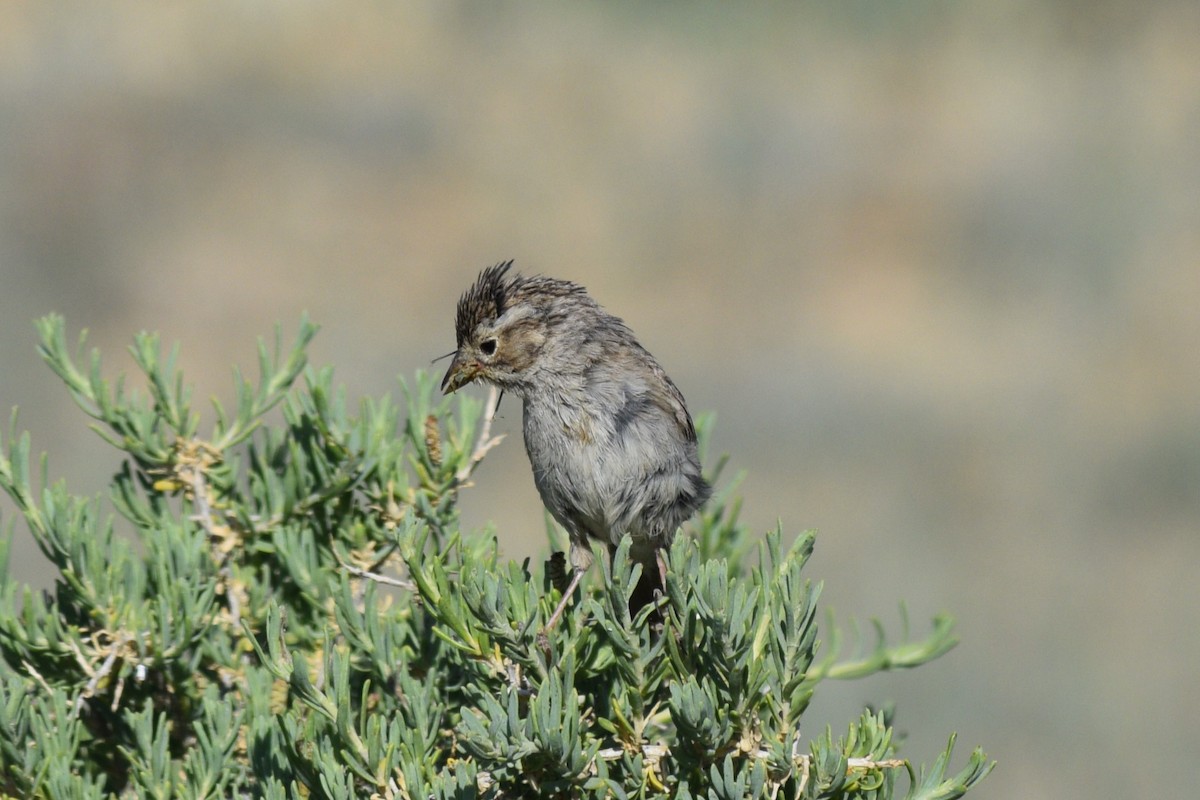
x=502 y=326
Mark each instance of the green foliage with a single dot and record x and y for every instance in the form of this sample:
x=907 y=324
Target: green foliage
x=289 y=608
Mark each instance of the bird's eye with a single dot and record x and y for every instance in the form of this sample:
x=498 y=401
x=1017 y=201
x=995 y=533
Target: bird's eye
x=488 y=347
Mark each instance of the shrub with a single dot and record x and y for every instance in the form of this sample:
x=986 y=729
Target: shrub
x=289 y=608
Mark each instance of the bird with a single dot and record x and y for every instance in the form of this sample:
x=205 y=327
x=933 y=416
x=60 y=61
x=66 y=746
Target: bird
x=610 y=441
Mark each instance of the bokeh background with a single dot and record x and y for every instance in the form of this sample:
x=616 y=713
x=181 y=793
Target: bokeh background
x=936 y=266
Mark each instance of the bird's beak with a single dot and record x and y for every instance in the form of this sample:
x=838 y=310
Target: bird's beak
x=461 y=372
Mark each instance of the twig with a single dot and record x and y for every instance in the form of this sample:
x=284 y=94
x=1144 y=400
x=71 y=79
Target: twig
x=485 y=442
x=80 y=658
x=387 y=580
x=100 y=674
x=200 y=500
x=37 y=676
x=235 y=603
x=204 y=516
x=866 y=763
x=653 y=752
x=120 y=690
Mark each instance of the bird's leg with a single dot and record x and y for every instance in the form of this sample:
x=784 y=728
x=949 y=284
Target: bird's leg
x=576 y=577
x=581 y=558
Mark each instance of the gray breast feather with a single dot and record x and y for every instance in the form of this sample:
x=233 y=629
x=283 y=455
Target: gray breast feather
x=624 y=473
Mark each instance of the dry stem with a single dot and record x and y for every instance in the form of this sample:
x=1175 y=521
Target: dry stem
x=485 y=441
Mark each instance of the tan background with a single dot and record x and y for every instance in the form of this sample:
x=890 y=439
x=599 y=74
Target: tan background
x=936 y=267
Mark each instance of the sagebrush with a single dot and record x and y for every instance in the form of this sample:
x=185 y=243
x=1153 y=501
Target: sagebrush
x=287 y=607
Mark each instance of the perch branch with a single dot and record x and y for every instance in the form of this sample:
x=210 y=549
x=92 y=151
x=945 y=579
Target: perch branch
x=485 y=441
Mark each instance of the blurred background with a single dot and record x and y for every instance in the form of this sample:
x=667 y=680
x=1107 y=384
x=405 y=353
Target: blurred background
x=936 y=266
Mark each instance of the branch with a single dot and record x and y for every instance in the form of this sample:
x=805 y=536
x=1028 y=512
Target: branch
x=375 y=576
x=205 y=518
x=485 y=442
x=100 y=674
